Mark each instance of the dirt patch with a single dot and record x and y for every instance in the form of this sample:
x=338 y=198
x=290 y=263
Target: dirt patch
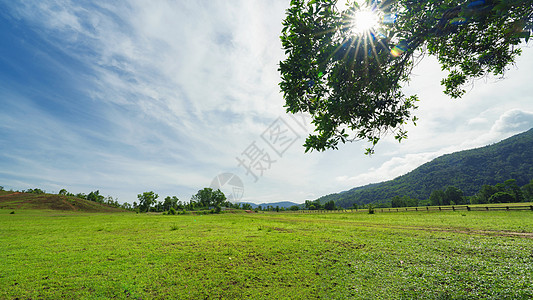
x=7 y=195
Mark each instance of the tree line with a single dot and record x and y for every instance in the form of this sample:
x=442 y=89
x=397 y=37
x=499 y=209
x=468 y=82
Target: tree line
x=506 y=192
x=206 y=199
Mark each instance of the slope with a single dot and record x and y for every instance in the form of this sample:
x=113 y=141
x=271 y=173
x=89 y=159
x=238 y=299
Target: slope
x=10 y=200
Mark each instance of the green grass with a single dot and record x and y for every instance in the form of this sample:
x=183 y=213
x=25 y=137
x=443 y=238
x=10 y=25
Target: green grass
x=446 y=255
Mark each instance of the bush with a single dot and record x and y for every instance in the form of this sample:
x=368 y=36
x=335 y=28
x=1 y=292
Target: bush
x=172 y=211
x=12 y=212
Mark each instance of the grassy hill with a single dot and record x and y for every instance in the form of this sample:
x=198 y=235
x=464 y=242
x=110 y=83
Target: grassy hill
x=11 y=200
x=467 y=170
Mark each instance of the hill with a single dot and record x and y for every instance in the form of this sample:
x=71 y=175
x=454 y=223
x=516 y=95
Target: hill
x=10 y=200
x=467 y=170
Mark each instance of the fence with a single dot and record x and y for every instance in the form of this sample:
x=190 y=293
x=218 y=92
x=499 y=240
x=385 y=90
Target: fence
x=429 y=208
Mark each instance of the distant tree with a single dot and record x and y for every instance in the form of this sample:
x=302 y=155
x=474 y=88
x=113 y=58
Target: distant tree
x=483 y=196
x=437 y=198
x=453 y=195
x=330 y=205
x=502 y=197
x=158 y=206
x=294 y=208
x=512 y=188
x=110 y=201
x=63 y=192
x=1 y=188
x=81 y=196
x=35 y=191
x=170 y=202
x=371 y=208
x=95 y=196
x=527 y=191
x=146 y=200
x=191 y=205
x=259 y=207
x=313 y=205
x=397 y=202
x=246 y=206
x=208 y=197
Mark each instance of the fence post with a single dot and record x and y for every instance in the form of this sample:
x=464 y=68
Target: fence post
x=440 y=208
x=531 y=207
x=416 y=208
x=486 y=207
x=427 y=208
x=453 y=208
x=507 y=207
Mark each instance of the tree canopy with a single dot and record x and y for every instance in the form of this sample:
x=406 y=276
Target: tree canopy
x=350 y=79
x=208 y=197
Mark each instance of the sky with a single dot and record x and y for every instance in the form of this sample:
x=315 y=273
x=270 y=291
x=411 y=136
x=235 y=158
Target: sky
x=169 y=96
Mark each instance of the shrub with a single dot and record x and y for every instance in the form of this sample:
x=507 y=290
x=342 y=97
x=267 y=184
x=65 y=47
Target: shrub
x=172 y=211
x=12 y=212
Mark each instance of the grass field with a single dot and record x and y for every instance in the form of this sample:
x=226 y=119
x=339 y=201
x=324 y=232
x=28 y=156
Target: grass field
x=426 y=255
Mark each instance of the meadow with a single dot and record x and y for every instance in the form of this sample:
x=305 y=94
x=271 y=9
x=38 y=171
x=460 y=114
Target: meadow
x=406 y=255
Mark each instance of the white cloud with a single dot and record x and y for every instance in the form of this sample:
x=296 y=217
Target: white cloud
x=514 y=121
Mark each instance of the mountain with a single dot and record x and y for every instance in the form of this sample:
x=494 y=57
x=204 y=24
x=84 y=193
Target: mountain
x=467 y=170
x=16 y=200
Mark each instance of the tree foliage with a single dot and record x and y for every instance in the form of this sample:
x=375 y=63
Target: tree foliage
x=146 y=200
x=208 y=197
x=351 y=83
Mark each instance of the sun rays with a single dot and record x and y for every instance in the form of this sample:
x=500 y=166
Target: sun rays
x=364 y=34
x=364 y=21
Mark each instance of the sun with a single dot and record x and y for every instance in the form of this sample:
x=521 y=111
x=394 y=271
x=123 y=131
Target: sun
x=364 y=20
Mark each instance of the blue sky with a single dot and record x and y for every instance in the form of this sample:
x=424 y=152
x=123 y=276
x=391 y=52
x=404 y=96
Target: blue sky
x=133 y=96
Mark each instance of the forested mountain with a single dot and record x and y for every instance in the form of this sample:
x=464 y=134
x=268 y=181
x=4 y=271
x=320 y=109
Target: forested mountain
x=467 y=170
